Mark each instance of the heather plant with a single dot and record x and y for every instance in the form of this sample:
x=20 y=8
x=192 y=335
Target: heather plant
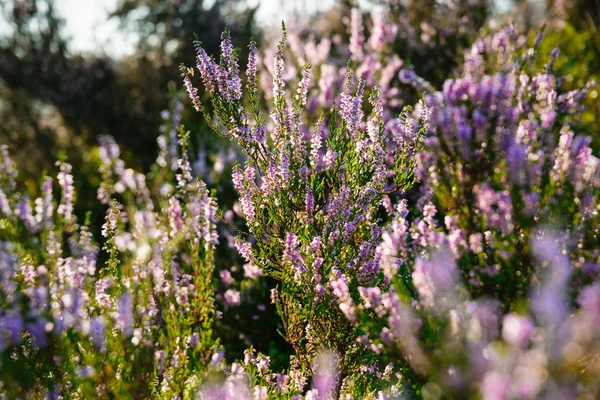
x=311 y=203
x=485 y=286
x=138 y=326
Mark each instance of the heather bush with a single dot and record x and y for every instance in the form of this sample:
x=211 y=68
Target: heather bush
x=138 y=326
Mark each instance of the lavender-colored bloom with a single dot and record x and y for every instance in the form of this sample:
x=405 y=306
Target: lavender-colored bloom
x=4 y=205
x=406 y=76
x=124 y=318
x=231 y=68
x=517 y=329
x=37 y=330
x=303 y=85
x=381 y=33
x=175 y=216
x=435 y=277
x=350 y=106
x=232 y=298
x=25 y=214
x=371 y=296
x=329 y=159
x=7 y=167
x=217 y=358
x=110 y=226
x=251 y=69
x=291 y=255
x=315 y=145
x=98 y=332
x=260 y=392
x=310 y=201
x=251 y=271
x=103 y=299
x=226 y=278
x=11 y=329
x=192 y=91
x=316 y=245
x=238 y=180
x=210 y=72
x=326 y=376
x=278 y=65
x=589 y=301
x=259 y=133
x=43 y=205
x=357 y=37
x=248 y=210
x=550 y=301
x=245 y=250
x=65 y=180
x=495 y=386
x=340 y=289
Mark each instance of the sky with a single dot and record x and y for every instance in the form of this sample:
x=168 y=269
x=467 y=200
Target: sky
x=90 y=30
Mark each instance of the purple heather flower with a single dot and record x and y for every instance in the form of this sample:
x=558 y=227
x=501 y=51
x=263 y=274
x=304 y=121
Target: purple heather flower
x=232 y=298
x=589 y=301
x=231 y=68
x=25 y=214
x=380 y=32
x=175 y=217
x=517 y=329
x=192 y=91
x=291 y=255
x=65 y=180
x=248 y=210
x=406 y=76
x=251 y=69
x=98 y=332
x=4 y=205
x=549 y=301
x=260 y=392
x=37 y=330
x=435 y=277
x=371 y=296
x=210 y=72
x=251 y=271
x=350 y=106
x=357 y=37
x=226 y=278
x=11 y=329
x=238 y=180
x=310 y=201
x=274 y=296
x=125 y=314
x=259 y=133
x=303 y=85
x=278 y=65
x=326 y=376
x=495 y=386
x=329 y=159
x=245 y=250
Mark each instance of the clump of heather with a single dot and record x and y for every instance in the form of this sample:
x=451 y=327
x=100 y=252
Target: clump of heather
x=311 y=204
x=139 y=325
x=491 y=271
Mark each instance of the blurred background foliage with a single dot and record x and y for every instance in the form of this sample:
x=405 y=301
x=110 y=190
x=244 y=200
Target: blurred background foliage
x=56 y=100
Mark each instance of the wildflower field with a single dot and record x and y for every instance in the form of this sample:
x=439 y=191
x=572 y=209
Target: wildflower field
x=406 y=211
